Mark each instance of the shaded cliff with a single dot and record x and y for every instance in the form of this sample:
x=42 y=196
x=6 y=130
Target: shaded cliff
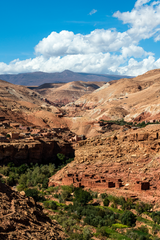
x=38 y=151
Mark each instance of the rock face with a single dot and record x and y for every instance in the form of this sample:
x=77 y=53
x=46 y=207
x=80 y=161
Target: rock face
x=33 y=151
x=130 y=158
x=21 y=218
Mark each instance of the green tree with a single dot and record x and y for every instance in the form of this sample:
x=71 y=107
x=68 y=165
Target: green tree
x=32 y=193
x=106 y=202
x=81 y=196
x=128 y=218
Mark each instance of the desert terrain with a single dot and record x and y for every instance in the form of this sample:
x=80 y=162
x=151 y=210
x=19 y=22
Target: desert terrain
x=101 y=136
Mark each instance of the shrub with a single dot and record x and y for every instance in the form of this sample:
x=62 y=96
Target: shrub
x=32 y=193
x=155 y=229
x=87 y=234
x=76 y=236
x=50 y=204
x=102 y=231
x=21 y=169
x=61 y=157
x=106 y=202
x=45 y=183
x=81 y=196
x=20 y=187
x=56 y=195
x=143 y=237
x=65 y=195
x=10 y=181
x=119 y=225
x=156 y=217
x=23 y=180
x=143 y=229
x=132 y=234
x=143 y=207
x=127 y=205
x=103 y=195
x=4 y=170
x=94 y=194
x=128 y=218
x=70 y=188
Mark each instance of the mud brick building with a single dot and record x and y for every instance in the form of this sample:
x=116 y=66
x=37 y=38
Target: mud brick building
x=139 y=186
x=92 y=180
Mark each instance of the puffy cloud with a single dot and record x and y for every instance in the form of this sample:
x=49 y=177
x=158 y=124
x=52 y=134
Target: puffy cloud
x=144 y=21
x=139 y=3
x=101 y=51
x=96 y=63
x=134 y=51
x=135 y=68
x=99 y=40
x=93 y=12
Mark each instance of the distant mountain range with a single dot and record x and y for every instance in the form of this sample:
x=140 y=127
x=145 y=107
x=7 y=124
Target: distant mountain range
x=38 y=78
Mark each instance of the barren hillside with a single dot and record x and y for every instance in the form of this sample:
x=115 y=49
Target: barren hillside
x=68 y=92
x=135 y=99
x=21 y=218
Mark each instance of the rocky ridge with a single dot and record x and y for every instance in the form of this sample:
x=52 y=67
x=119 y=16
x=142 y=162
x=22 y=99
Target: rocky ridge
x=33 y=151
x=131 y=155
x=135 y=99
x=21 y=218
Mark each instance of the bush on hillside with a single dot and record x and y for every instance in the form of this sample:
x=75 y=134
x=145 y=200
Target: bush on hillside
x=81 y=196
x=33 y=193
x=128 y=218
x=106 y=202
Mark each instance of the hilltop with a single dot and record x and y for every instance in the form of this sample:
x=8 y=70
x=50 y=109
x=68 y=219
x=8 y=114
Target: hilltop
x=38 y=78
x=63 y=93
x=135 y=99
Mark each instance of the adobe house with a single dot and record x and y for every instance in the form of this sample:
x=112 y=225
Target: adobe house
x=77 y=138
x=91 y=180
x=139 y=186
x=14 y=135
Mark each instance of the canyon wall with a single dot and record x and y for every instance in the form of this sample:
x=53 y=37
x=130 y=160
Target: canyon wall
x=38 y=151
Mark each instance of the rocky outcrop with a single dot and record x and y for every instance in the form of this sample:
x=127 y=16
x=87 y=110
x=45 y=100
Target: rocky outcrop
x=132 y=156
x=36 y=151
x=21 y=218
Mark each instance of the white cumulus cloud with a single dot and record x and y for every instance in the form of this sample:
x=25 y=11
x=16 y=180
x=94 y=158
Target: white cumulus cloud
x=100 y=51
x=139 y=3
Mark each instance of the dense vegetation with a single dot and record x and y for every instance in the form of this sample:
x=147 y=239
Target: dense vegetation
x=84 y=217
x=30 y=175
x=108 y=222
x=121 y=122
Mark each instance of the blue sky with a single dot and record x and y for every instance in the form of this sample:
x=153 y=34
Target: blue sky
x=114 y=37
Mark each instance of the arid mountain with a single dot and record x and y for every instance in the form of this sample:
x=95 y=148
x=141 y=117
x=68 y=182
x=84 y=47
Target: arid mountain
x=21 y=218
x=63 y=93
x=38 y=78
x=135 y=99
x=25 y=106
